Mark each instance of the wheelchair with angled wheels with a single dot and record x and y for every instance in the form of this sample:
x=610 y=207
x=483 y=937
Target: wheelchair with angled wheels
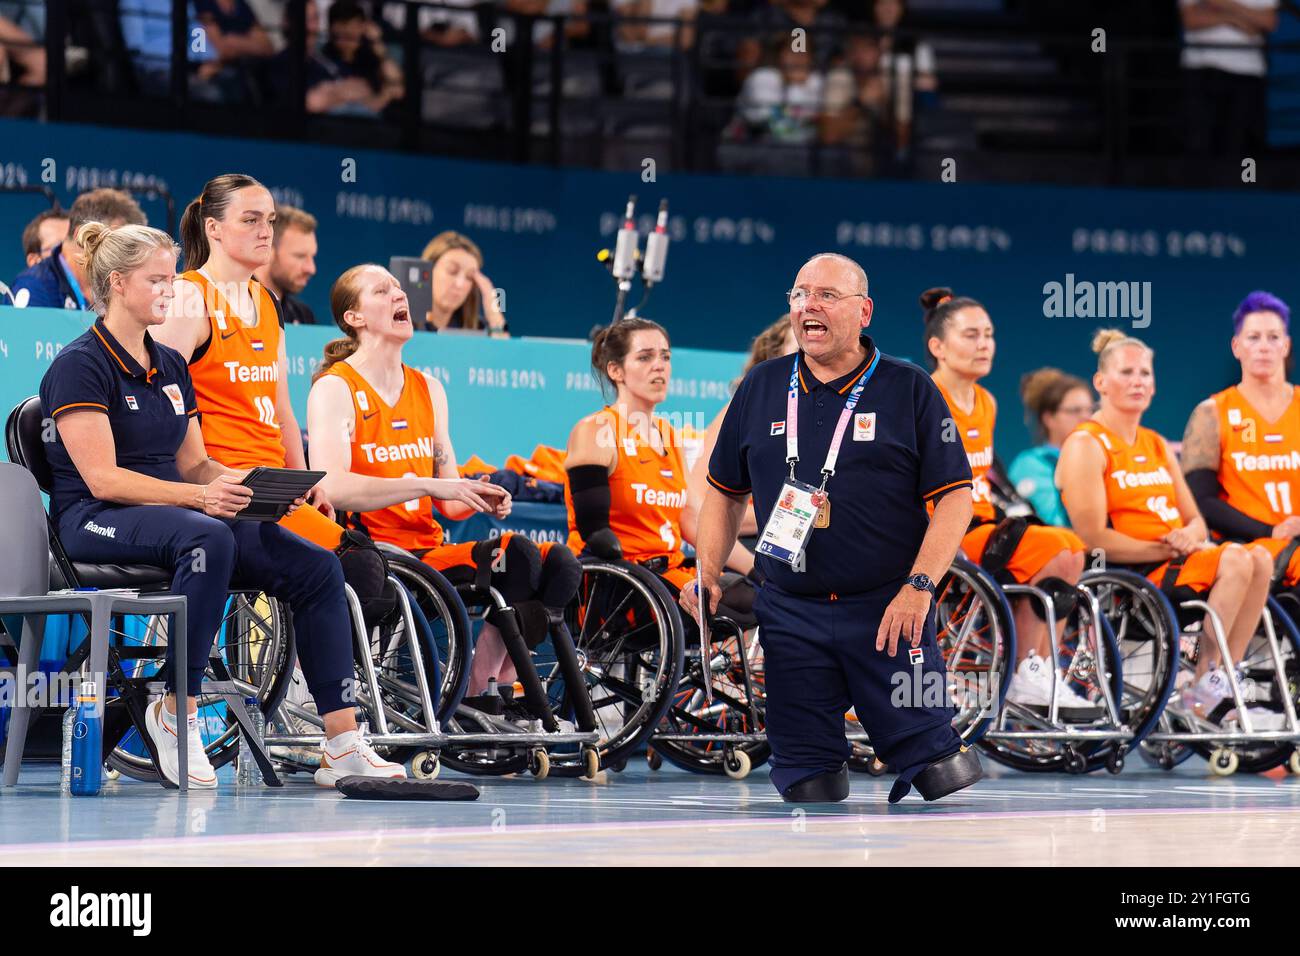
x=255 y=649
x=974 y=630
x=1266 y=680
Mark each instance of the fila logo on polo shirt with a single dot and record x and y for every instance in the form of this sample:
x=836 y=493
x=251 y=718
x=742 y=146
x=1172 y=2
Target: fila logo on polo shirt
x=131 y=403
x=778 y=428
x=864 y=426
x=178 y=401
x=916 y=655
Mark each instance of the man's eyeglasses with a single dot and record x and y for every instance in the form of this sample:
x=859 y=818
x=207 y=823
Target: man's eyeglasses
x=826 y=297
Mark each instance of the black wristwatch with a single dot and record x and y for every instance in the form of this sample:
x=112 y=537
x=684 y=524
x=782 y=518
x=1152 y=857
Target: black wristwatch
x=922 y=582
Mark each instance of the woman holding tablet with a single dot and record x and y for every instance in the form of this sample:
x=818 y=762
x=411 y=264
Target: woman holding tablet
x=134 y=483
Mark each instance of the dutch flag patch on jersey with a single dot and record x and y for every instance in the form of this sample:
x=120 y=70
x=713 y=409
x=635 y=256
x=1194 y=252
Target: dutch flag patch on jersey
x=399 y=424
x=1273 y=438
x=257 y=345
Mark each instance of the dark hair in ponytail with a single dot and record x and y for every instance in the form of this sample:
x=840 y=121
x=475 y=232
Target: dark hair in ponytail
x=612 y=343
x=938 y=306
x=209 y=204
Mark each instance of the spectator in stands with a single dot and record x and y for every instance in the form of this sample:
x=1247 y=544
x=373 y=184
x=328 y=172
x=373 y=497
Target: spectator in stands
x=1055 y=403
x=43 y=235
x=460 y=288
x=1226 y=89
x=856 y=98
x=292 y=264
x=543 y=31
x=822 y=28
x=657 y=34
x=362 y=79
x=22 y=57
x=438 y=26
x=231 y=27
x=147 y=33
x=889 y=16
x=60 y=281
x=780 y=102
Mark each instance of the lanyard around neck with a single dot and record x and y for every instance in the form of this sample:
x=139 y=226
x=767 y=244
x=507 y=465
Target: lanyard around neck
x=792 y=419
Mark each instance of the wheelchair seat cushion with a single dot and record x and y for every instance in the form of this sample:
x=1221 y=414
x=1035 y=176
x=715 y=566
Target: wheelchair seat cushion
x=142 y=576
x=375 y=788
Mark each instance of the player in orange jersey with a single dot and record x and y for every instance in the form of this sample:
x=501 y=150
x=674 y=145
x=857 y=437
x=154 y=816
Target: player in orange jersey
x=960 y=345
x=626 y=492
x=228 y=327
x=381 y=432
x=1241 y=450
x=1126 y=495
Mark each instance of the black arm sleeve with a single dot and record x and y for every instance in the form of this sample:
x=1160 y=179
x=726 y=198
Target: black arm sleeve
x=589 y=487
x=1220 y=516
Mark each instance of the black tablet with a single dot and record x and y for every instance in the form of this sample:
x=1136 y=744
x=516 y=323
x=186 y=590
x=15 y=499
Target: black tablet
x=275 y=490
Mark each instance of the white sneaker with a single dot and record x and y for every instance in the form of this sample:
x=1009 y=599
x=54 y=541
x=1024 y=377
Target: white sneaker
x=1207 y=693
x=162 y=731
x=1031 y=686
x=349 y=755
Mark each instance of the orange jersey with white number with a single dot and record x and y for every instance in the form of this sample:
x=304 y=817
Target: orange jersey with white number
x=235 y=380
x=1141 y=500
x=1259 y=461
x=976 y=427
x=395 y=441
x=647 y=492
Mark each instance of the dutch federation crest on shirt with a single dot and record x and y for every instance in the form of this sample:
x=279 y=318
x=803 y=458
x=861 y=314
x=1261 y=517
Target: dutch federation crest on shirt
x=629 y=447
x=178 y=400
x=257 y=345
x=363 y=403
x=864 y=426
x=778 y=428
x=132 y=404
x=219 y=317
x=399 y=424
x=1234 y=416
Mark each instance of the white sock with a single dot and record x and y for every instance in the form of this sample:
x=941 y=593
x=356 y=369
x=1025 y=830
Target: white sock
x=168 y=718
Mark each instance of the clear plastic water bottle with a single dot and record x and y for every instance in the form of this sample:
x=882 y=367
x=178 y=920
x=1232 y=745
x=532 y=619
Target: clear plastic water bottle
x=82 y=771
x=247 y=772
x=65 y=775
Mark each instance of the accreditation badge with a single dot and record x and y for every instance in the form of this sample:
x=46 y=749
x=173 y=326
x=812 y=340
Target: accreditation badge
x=790 y=525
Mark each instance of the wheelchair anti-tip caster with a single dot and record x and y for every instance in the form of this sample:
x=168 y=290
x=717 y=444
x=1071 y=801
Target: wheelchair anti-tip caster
x=1223 y=762
x=426 y=765
x=1294 y=763
x=111 y=774
x=653 y=759
x=539 y=763
x=737 y=764
x=619 y=765
x=1115 y=762
x=590 y=762
x=1075 y=762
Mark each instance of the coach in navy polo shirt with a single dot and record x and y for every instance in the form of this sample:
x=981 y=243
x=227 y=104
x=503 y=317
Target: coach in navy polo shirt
x=831 y=618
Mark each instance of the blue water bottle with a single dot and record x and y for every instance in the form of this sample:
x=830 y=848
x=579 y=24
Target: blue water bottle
x=87 y=744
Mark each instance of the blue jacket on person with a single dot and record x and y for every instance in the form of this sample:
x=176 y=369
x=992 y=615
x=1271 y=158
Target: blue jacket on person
x=48 y=285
